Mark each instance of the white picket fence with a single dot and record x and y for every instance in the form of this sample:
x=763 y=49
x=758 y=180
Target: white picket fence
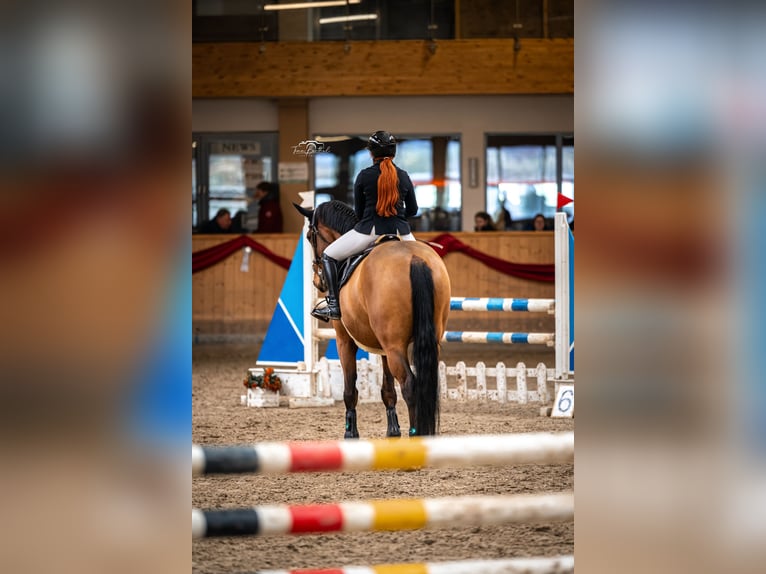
x=481 y=383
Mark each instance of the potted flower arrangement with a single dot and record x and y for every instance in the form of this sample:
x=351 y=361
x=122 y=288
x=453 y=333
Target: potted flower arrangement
x=262 y=389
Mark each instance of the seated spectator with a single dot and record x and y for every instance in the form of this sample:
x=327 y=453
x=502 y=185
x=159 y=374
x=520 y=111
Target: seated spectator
x=239 y=222
x=507 y=223
x=221 y=223
x=439 y=219
x=538 y=223
x=483 y=222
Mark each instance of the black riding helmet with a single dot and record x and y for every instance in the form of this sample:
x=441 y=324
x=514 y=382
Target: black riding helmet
x=382 y=144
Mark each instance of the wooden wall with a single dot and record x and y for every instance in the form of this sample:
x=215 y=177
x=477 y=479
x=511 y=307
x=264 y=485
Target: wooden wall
x=392 y=68
x=226 y=301
x=230 y=304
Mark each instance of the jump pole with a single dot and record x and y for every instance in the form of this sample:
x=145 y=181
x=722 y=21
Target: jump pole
x=384 y=454
x=383 y=515
x=536 y=565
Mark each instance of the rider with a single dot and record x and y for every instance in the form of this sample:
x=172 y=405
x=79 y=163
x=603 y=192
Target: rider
x=383 y=200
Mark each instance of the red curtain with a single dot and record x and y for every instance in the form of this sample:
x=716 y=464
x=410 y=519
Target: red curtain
x=445 y=244
x=535 y=271
x=206 y=257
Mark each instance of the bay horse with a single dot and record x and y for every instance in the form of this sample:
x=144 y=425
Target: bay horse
x=397 y=296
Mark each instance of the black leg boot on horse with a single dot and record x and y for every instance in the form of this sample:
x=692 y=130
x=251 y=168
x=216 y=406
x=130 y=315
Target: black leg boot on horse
x=351 y=429
x=330 y=273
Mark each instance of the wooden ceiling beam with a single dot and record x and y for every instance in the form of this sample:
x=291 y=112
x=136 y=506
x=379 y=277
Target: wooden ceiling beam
x=386 y=68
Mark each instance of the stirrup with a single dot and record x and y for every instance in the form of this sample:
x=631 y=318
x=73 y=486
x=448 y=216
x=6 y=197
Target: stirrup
x=324 y=313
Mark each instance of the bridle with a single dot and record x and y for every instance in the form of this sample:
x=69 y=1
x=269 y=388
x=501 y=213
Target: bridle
x=312 y=236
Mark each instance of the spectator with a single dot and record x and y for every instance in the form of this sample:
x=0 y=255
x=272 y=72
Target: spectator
x=239 y=222
x=221 y=223
x=439 y=219
x=507 y=220
x=483 y=222
x=538 y=223
x=264 y=214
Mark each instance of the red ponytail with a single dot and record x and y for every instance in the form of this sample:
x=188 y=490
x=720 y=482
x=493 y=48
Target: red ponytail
x=388 y=189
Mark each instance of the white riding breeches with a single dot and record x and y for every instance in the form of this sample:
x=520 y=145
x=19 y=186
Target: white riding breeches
x=353 y=242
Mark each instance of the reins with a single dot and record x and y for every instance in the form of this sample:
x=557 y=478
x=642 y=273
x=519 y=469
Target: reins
x=312 y=237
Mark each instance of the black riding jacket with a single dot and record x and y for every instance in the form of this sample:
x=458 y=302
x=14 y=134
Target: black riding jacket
x=366 y=198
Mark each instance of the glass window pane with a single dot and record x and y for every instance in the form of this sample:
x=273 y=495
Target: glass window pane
x=231 y=175
x=567 y=159
x=226 y=166
x=426 y=196
x=226 y=7
x=416 y=158
x=358 y=162
x=453 y=160
x=227 y=178
x=493 y=165
x=326 y=167
x=523 y=201
x=522 y=175
x=549 y=173
x=455 y=195
x=522 y=164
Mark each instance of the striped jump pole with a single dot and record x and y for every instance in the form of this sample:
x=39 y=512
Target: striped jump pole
x=552 y=565
x=476 y=337
x=502 y=304
x=383 y=515
x=499 y=337
x=385 y=454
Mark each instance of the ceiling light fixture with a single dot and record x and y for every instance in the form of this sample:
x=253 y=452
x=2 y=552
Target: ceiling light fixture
x=319 y=4
x=354 y=18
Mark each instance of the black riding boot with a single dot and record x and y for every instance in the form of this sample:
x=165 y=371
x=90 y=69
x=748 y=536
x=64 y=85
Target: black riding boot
x=330 y=272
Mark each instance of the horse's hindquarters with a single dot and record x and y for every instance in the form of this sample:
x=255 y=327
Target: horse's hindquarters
x=376 y=303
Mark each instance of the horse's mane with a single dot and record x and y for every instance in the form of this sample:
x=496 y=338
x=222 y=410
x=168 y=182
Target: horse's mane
x=336 y=215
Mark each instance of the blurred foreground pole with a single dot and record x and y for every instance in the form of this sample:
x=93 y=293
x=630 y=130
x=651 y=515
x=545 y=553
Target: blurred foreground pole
x=671 y=127
x=95 y=289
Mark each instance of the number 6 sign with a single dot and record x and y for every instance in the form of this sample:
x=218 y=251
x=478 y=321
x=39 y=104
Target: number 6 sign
x=564 y=406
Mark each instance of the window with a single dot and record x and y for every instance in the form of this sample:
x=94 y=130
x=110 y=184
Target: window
x=246 y=20
x=326 y=167
x=525 y=174
x=233 y=21
x=433 y=163
x=397 y=20
x=224 y=167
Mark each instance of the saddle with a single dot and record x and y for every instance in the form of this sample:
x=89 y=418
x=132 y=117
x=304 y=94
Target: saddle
x=349 y=265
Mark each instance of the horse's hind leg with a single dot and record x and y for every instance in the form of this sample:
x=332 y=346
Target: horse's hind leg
x=400 y=367
x=347 y=349
x=388 y=394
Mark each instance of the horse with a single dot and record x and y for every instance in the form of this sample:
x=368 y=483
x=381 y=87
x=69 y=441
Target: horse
x=397 y=296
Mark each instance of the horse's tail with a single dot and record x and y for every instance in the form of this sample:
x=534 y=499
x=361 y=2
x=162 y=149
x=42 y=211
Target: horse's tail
x=425 y=349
